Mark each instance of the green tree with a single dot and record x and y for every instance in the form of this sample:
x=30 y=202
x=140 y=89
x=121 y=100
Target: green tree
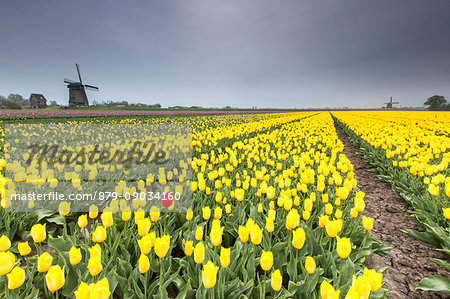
x=436 y=103
x=16 y=98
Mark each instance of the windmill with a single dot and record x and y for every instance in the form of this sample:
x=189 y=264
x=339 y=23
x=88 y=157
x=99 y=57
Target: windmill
x=77 y=91
x=389 y=104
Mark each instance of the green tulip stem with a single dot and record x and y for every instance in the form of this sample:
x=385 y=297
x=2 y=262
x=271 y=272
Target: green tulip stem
x=38 y=247
x=56 y=294
x=160 y=275
x=6 y=288
x=264 y=285
x=145 y=284
x=340 y=274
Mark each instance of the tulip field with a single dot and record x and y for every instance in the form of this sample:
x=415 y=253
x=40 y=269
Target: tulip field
x=276 y=210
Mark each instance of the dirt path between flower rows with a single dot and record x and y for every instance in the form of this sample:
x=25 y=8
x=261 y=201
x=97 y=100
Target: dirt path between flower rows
x=409 y=260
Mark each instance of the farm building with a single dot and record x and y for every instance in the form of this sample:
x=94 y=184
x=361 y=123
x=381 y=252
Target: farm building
x=37 y=101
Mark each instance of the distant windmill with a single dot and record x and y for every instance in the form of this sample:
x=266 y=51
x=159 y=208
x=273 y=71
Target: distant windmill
x=77 y=92
x=389 y=104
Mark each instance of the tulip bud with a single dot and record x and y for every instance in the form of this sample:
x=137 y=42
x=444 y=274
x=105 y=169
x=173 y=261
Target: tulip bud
x=209 y=275
x=299 y=238
x=199 y=253
x=206 y=213
x=276 y=280
x=83 y=291
x=16 y=278
x=93 y=211
x=189 y=215
x=375 y=279
x=225 y=257
x=107 y=219
x=344 y=247
x=292 y=219
x=199 y=233
x=367 y=223
x=228 y=208
x=256 y=234
x=162 y=245
x=99 y=235
x=24 y=248
x=243 y=233
x=144 y=264
x=144 y=226
x=7 y=261
x=94 y=265
x=269 y=225
x=126 y=213
x=310 y=265
x=74 y=255
x=64 y=208
x=55 y=278
x=266 y=260
x=82 y=221
x=188 y=248
x=44 y=262
x=5 y=243
x=38 y=233
x=216 y=236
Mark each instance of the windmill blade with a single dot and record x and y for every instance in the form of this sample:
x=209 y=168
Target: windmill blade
x=90 y=87
x=68 y=81
x=78 y=71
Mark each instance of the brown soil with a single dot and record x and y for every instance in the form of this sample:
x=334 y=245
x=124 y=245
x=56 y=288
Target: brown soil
x=409 y=260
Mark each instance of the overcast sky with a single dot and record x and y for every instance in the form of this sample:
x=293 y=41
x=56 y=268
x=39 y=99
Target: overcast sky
x=240 y=53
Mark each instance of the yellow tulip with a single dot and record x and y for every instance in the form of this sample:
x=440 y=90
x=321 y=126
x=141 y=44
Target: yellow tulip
x=145 y=244
x=162 y=245
x=189 y=215
x=5 y=243
x=82 y=221
x=154 y=214
x=243 y=233
x=328 y=292
x=188 y=248
x=95 y=250
x=199 y=233
x=140 y=214
x=99 y=235
x=218 y=213
x=367 y=223
x=362 y=286
x=126 y=213
x=323 y=220
x=144 y=226
x=375 y=279
x=144 y=263
x=64 y=208
x=83 y=291
x=260 y=208
x=344 y=247
x=225 y=257
x=353 y=213
x=269 y=225
x=306 y=214
x=310 y=265
x=228 y=208
x=209 y=275
x=7 y=261
x=94 y=265
x=272 y=214
x=206 y=211
x=55 y=278
x=93 y=211
x=276 y=280
x=332 y=228
x=100 y=290
x=256 y=234
x=292 y=219
x=199 y=253
x=38 y=233
x=16 y=278
x=446 y=213
x=299 y=238
x=216 y=236
x=74 y=255
x=24 y=248
x=266 y=260
x=107 y=219
x=44 y=262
